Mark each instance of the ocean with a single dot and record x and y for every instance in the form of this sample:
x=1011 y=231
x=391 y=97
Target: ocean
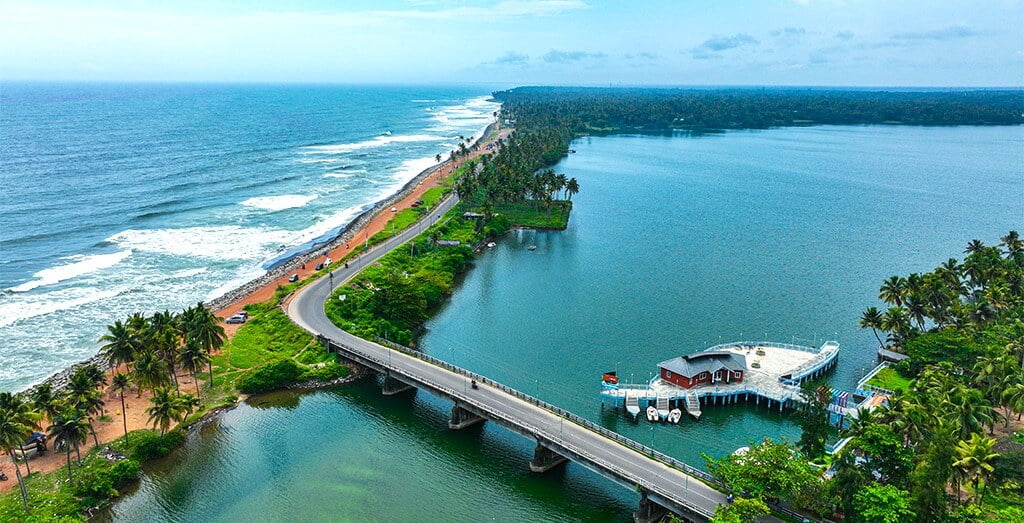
x=116 y=198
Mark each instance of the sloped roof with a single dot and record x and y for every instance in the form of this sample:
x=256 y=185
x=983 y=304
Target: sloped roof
x=693 y=364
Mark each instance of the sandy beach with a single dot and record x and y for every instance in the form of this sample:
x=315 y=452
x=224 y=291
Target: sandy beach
x=135 y=406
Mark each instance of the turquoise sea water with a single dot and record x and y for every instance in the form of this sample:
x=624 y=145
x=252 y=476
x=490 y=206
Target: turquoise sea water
x=142 y=197
x=675 y=243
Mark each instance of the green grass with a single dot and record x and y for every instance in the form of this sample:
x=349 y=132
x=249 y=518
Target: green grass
x=267 y=337
x=434 y=195
x=456 y=228
x=888 y=378
x=533 y=214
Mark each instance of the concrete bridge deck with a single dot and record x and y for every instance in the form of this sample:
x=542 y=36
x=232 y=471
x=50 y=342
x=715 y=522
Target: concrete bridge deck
x=658 y=478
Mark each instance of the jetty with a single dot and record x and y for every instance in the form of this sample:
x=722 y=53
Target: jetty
x=759 y=371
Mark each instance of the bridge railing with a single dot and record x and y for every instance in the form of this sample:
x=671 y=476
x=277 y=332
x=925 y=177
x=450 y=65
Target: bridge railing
x=587 y=424
x=590 y=425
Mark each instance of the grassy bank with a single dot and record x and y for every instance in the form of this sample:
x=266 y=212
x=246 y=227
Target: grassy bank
x=889 y=378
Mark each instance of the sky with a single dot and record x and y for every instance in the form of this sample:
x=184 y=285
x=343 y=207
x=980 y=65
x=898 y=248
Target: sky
x=519 y=42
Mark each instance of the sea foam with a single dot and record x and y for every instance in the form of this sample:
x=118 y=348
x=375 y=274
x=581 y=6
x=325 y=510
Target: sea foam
x=378 y=141
x=279 y=203
x=229 y=242
x=80 y=265
x=51 y=302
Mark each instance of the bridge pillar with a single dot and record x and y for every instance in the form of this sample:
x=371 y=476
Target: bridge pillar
x=393 y=386
x=545 y=459
x=649 y=511
x=462 y=418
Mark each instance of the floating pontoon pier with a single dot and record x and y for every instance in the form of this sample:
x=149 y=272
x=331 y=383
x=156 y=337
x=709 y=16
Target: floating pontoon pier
x=759 y=371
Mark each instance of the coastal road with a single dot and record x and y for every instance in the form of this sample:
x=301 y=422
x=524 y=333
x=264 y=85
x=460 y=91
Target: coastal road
x=595 y=451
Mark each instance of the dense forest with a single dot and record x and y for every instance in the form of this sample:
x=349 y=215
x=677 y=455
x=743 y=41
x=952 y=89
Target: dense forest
x=607 y=110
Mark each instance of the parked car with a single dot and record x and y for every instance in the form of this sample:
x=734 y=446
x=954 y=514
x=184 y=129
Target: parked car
x=320 y=266
x=237 y=318
x=394 y=209
x=293 y=278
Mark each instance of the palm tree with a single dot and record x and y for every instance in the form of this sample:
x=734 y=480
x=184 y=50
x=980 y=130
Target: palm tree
x=971 y=410
x=205 y=328
x=120 y=344
x=167 y=409
x=975 y=463
x=90 y=404
x=23 y=412
x=45 y=401
x=15 y=427
x=896 y=322
x=69 y=430
x=193 y=358
x=572 y=187
x=189 y=404
x=95 y=374
x=150 y=371
x=1013 y=399
x=974 y=246
x=120 y=383
x=872 y=318
x=893 y=290
x=1012 y=243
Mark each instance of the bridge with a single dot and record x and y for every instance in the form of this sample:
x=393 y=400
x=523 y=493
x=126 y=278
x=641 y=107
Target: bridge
x=663 y=483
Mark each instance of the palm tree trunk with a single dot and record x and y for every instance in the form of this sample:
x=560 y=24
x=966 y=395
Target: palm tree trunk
x=124 y=417
x=67 y=452
x=27 y=468
x=95 y=438
x=877 y=337
x=78 y=452
x=195 y=378
x=21 y=482
x=209 y=365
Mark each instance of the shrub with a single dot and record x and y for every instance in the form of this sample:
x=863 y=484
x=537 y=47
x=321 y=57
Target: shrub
x=329 y=371
x=147 y=445
x=270 y=376
x=99 y=479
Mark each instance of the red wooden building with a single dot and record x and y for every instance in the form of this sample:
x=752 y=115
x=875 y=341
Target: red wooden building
x=704 y=368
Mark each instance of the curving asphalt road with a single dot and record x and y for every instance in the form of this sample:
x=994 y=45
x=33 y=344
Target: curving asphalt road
x=590 y=449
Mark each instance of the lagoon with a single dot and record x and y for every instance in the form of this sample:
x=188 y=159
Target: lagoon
x=675 y=243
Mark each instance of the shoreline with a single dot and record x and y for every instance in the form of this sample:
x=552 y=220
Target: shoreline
x=262 y=288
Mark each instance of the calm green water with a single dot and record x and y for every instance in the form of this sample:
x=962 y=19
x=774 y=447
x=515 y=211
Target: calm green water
x=674 y=244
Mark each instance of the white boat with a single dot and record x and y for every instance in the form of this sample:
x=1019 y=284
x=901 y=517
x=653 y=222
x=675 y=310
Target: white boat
x=675 y=415
x=742 y=451
x=652 y=413
x=491 y=244
x=532 y=248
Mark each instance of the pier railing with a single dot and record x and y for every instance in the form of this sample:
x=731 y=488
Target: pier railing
x=769 y=344
x=585 y=423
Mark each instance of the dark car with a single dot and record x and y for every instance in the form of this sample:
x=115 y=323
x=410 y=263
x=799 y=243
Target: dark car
x=320 y=266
